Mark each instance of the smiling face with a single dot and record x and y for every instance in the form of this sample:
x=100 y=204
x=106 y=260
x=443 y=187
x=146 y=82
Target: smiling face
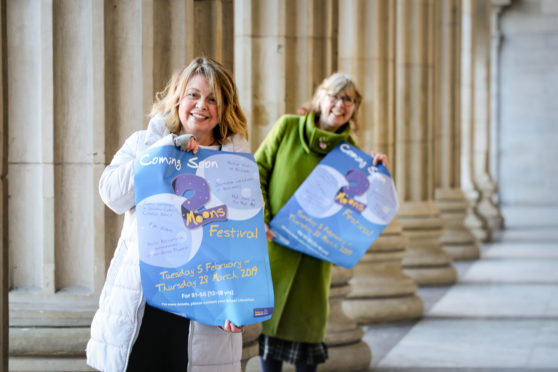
x=336 y=109
x=198 y=110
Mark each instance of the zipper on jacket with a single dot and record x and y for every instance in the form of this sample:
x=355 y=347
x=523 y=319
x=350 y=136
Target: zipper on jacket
x=134 y=336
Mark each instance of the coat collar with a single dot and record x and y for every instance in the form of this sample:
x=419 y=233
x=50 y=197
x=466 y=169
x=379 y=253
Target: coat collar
x=156 y=129
x=316 y=140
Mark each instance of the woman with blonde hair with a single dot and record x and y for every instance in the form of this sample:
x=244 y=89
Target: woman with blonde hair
x=198 y=107
x=292 y=149
x=229 y=115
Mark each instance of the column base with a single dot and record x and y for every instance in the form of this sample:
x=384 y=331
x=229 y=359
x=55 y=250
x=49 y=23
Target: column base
x=457 y=240
x=432 y=276
x=482 y=235
x=383 y=310
x=474 y=221
x=426 y=262
x=63 y=348
x=250 y=344
x=48 y=349
x=380 y=292
x=465 y=252
x=30 y=364
x=491 y=214
x=347 y=351
x=350 y=357
x=486 y=206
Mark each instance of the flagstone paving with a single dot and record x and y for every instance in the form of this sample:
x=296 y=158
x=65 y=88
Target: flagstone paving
x=501 y=315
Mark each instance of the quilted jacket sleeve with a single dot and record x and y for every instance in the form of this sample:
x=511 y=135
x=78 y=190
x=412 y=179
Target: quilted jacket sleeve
x=116 y=185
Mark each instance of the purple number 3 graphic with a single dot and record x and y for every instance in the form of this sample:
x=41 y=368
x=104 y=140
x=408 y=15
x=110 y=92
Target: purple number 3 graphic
x=185 y=182
x=192 y=214
x=358 y=183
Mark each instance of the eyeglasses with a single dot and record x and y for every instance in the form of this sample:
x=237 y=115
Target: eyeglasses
x=347 y=101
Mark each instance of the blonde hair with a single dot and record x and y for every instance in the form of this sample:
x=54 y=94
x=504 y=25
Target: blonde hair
x=334 y=84
x=231 y=117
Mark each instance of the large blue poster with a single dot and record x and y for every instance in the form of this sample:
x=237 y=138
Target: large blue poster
x=201 y=235
x=340 y=209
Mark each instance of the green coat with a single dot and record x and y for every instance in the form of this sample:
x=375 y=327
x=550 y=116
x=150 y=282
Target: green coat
x=288 y=154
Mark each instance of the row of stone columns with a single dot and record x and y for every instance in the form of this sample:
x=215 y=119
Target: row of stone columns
x=76 y=93
x=413 y=110
x=56 y=142
x=81 y=78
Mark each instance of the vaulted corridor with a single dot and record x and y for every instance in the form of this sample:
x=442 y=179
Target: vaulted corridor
x=460 y=94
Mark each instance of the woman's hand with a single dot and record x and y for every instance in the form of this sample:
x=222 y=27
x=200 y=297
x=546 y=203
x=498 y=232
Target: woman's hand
x=268 y=233
x=186 y=142
x=229 y=327
x=379 y=159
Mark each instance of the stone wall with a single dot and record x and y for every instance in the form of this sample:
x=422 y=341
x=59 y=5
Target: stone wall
x=528 y=125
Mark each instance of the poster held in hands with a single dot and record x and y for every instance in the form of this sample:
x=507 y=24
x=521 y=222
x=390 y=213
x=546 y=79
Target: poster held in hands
x=340 y=209
x=201 y=235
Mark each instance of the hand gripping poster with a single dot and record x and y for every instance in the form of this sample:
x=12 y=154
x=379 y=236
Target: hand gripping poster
x=201 y=235
x=340 y=209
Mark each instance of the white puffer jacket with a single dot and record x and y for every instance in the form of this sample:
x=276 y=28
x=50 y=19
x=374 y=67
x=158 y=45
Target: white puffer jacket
x=116 y=323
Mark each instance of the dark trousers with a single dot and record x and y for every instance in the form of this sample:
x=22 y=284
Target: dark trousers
x=162 y=343
x=276 y=366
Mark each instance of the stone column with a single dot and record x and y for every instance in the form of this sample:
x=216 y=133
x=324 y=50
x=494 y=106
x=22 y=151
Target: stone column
x=457 y=240
x=55 y=148
x=128 y=92
x=168 y=31
x=481 y=155
x=283 y=50
x=495 y=45
x=474 y=220
x=380 y=292
x=250 y=344
x=215 y=38
x=425 y=261
x=90 y=93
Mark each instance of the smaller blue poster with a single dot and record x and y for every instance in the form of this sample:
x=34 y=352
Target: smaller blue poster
x=201 y=235
x=340 y=209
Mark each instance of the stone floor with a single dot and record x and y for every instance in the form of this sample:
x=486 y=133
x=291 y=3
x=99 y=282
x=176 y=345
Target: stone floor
x=501 y=315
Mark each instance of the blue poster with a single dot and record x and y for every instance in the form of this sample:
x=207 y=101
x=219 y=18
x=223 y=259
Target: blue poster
x=340 y=209
x=202 y=246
